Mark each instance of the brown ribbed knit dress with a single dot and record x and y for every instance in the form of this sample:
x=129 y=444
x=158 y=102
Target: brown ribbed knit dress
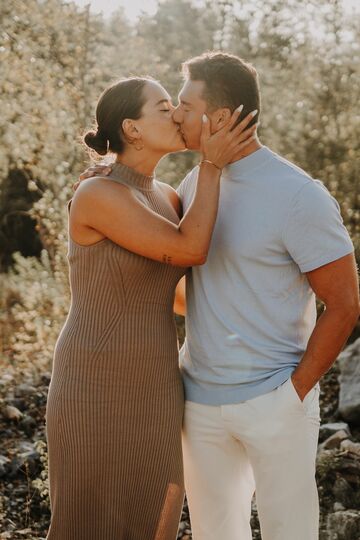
x=115 y=401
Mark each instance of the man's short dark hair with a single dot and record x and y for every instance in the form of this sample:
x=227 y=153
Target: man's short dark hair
x=229 y=81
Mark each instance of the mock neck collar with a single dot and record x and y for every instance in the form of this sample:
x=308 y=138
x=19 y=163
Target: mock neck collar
x=119 y=171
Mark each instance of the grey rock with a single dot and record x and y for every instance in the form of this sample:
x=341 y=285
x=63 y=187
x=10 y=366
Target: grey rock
x=338 y=507
x=24 y=390
x=4 y=465
x=28 y=424
x=350 y=446
x=24 y=532
x=326 y=430
x=349 y=396
x=26 y=461
x=335 y=440
x=343 y=492
x=344 y=525
x=6 y=535
x=25 y=446
x=6 y=378
x=19 y=403
x=12 y=413
x=46 y=377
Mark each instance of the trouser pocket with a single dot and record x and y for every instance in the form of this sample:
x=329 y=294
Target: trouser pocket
x=310 y=404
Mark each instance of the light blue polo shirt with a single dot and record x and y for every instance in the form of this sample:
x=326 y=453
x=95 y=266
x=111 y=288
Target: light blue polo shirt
x=250 y=308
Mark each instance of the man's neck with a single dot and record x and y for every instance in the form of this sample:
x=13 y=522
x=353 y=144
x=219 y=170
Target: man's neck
x=250 y=149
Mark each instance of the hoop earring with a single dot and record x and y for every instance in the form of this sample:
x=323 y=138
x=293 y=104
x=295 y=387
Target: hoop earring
x=139 y=146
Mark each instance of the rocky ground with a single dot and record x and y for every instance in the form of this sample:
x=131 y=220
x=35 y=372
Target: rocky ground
x=24 y=504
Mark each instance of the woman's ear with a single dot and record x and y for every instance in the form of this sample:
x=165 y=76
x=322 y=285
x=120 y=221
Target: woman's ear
x=130 y=130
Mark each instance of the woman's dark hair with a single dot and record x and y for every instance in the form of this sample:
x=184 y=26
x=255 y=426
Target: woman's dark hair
x=124 y=99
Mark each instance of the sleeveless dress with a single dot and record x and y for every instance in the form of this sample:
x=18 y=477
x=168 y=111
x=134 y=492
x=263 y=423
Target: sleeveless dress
x=115 y=402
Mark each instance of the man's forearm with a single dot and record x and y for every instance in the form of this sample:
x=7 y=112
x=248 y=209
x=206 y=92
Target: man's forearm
x=330 y=334
x=179 y=307
x=180 y=297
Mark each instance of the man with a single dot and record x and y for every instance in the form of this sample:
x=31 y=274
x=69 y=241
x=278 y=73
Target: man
x=252 y=358
x=253 y=353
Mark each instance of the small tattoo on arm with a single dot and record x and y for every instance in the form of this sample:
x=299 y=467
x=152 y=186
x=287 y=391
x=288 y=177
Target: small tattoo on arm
x=166 y=259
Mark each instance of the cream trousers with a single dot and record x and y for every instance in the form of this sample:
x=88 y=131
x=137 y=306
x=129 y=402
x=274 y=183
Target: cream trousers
x=268 y=442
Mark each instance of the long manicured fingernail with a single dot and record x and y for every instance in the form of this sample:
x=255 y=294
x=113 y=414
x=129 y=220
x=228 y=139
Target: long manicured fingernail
x=254 y=113
x=204 y=118
x=239 y=108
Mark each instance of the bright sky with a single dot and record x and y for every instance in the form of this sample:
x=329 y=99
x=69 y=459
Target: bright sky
x=133 y=8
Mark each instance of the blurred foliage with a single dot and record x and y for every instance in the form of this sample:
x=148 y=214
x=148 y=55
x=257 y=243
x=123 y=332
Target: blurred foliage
x=55 y=59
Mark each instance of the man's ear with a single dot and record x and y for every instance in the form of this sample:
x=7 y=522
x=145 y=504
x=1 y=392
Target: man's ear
x=220 y=117
x=130 y=130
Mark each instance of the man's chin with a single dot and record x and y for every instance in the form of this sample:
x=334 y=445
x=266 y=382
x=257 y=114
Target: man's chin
x=192 y=147
x=183 y=148
x=189 y=145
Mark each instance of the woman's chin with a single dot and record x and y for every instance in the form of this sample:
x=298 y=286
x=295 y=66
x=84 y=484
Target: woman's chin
x=178 y=147
x=182 y=142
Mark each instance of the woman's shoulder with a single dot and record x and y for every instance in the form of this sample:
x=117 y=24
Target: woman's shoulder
x=98 y=189
x=171 y=195
x=101 y=185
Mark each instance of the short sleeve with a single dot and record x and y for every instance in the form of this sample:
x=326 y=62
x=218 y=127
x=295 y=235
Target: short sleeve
x=187 y=188
x=181 y=188
x=314 y=233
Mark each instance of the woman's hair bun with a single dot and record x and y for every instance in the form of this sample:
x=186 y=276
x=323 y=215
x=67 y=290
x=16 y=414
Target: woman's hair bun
x=97 y=141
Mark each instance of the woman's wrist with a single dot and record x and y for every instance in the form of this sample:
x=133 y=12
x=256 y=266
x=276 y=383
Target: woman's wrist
x=211 y=163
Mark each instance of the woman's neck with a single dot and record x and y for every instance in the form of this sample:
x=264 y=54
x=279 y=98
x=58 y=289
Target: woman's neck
x=140 y=161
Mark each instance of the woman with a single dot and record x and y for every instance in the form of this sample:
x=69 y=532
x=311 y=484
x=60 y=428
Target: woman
x=115 y=400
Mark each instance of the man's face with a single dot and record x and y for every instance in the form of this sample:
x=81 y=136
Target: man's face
x=188 y=114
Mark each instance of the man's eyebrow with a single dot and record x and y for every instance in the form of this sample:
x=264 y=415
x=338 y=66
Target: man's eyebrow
x=184 y=102
x=162 y=101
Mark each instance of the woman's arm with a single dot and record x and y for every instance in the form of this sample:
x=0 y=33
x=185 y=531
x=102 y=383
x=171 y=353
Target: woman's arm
x=114 y=211
x=180 y=297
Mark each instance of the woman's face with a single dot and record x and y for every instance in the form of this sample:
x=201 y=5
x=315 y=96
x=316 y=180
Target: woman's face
x=157 y=130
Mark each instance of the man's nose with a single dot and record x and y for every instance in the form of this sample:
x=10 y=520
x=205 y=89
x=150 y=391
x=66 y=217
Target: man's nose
x=176 y=115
